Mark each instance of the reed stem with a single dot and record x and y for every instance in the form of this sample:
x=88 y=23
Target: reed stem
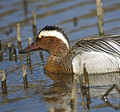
x=75 y=21
x=34 y=24
x=28 y=54
x=100 y=17
x=1 y=52
x=25 y=77
x=14 y=53
x=51 y=109
x=74 y=97
x=10 y=51
x=5 y=47
x=85 y=73
x=18 y=36
x=3 y=81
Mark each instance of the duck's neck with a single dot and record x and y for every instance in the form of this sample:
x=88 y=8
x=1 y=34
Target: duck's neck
x=59 y=61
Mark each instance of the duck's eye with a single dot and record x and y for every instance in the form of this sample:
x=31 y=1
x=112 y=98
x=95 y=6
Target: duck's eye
x=42 y=36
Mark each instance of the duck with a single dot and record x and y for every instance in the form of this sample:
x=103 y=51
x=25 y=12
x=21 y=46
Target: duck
x=98 y=54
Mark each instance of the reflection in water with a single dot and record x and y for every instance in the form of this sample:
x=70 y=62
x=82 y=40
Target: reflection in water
x=59 y=93
x=52 y=89
x=90 y=88
x=41 y=56
x=5 y=98
x=104 y=97
x=101 y=81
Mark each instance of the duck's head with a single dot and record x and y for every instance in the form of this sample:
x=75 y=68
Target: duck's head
x=50 y=38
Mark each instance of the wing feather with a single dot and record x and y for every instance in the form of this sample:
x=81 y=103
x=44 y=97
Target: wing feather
x=106 y=44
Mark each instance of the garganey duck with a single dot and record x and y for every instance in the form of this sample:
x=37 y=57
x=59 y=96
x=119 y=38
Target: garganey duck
x=99 y=54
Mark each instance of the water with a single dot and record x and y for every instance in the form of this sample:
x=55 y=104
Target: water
x=46 y=90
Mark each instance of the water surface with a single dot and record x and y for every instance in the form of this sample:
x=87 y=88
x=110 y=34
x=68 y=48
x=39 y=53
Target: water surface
x=45 y=90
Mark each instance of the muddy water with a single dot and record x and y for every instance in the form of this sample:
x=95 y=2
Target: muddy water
x=78 y=19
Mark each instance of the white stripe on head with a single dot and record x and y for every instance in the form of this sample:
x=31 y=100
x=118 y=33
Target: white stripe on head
x=54 y=33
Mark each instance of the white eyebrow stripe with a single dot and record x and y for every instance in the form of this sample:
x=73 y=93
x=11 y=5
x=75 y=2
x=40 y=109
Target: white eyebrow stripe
x=54 y=33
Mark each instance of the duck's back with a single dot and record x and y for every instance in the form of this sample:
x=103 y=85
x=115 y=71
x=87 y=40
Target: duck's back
x=99 y=54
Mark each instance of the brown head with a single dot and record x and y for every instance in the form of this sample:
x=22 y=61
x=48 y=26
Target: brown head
x=51 y=39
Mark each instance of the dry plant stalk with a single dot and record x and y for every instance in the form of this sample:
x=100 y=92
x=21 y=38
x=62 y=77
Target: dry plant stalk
x=3 y=81
x=74 y=97
x=100 y=17
x=34 y=24
x=18 y=36
x=25 y=77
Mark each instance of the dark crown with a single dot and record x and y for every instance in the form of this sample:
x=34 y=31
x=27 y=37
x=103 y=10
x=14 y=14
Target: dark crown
x=52 y=28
